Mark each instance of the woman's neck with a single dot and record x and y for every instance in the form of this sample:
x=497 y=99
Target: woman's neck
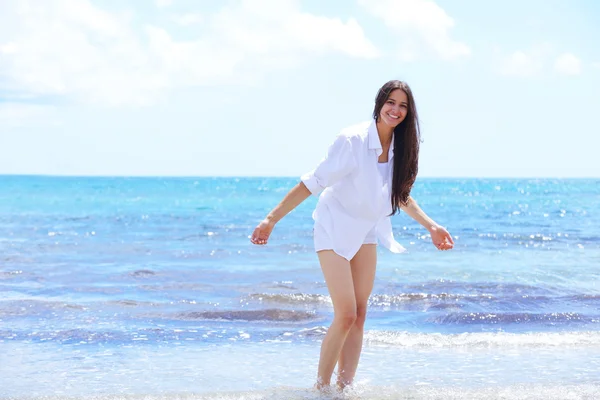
x=385 y=134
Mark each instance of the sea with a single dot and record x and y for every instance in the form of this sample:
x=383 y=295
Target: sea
x=149 y=288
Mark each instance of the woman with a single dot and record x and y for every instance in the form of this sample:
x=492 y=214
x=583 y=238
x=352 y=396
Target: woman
x=366 y=177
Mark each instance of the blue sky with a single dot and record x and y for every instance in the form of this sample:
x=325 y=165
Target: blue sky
x=261 y=87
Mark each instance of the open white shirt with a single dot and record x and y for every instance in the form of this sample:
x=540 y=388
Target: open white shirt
x=354 y=198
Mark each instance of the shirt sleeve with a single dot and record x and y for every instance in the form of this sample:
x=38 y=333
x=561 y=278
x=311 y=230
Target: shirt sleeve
x=338 y=163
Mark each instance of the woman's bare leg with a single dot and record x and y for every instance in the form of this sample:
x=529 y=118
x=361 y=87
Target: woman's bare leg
x=363 y=267
x=338 y=277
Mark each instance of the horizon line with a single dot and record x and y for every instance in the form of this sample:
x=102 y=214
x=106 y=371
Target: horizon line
x=274 y=176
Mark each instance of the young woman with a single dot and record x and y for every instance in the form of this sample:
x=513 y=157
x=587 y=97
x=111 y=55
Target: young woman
x=366 y=177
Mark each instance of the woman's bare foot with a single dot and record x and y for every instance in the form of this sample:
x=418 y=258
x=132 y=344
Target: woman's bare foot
x=341 y=385
x=323 y=388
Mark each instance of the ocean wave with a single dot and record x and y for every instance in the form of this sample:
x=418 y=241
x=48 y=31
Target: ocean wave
x=10 y=274
x=510 y=306
x=466 y=340
x=387 y=300
x=412 y=301
x=398 y=339
x=314 y=332
x=468 y=318
x=376 y=300
x=132 y=303
x=278 y=315
x=79 y=336
x=28 y=307
x=141 y=273
x=478 y=288
x=584 y=297
x=116 y=336
x=289 y=298
x=483 y=339
x=177 y=286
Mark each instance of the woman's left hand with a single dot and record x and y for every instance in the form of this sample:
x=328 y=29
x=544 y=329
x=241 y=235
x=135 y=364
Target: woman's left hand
x=441 y=238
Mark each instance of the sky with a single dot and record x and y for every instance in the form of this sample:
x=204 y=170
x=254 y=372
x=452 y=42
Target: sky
x=261 y=87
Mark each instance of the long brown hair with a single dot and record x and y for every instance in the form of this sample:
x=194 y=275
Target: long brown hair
x=407 y=136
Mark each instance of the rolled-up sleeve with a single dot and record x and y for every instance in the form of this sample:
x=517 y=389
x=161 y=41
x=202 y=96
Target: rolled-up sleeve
x=338 y=163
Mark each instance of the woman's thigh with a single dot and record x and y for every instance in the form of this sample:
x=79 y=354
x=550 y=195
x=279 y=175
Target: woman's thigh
x=363 y=266
x=338 y=276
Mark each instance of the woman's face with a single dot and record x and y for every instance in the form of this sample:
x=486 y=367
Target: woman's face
x=394 y=109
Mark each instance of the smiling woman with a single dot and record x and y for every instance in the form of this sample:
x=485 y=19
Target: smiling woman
x=392 y=107
x=358 y=194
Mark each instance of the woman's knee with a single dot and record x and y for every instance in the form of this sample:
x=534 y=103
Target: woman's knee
x=346 y=318
x=361 y=315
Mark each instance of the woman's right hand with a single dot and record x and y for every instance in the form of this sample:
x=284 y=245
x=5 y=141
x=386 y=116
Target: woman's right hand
x=262 y=232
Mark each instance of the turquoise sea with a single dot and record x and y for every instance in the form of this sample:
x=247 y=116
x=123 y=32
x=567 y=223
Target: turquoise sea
x=148 y=288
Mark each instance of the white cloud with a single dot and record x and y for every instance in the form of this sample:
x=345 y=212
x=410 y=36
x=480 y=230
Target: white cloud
x=538 y=60
x=187 y=19
x=70 y=47
x=75 y=49
x=528 y=63
x=420 y=24
x=320 y=34
x=8 y=48
x=22 y=114
x=163 y=3
x=521 y=64
x=567 y=64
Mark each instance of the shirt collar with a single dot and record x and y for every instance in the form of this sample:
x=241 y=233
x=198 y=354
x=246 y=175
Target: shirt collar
x=375 y=143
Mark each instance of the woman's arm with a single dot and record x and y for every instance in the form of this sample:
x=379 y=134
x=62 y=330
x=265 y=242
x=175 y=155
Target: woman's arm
x=338 y=163
x=415 y=212
x=297 y=195
x=439 y=235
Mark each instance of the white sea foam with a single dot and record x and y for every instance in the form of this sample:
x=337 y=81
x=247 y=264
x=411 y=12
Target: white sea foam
x=370 y=392
x=286 y=370
x=483 y=339
x=405 y=339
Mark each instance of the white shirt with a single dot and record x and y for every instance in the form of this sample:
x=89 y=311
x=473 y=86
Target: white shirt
x=383 y=170
x=354 y=198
